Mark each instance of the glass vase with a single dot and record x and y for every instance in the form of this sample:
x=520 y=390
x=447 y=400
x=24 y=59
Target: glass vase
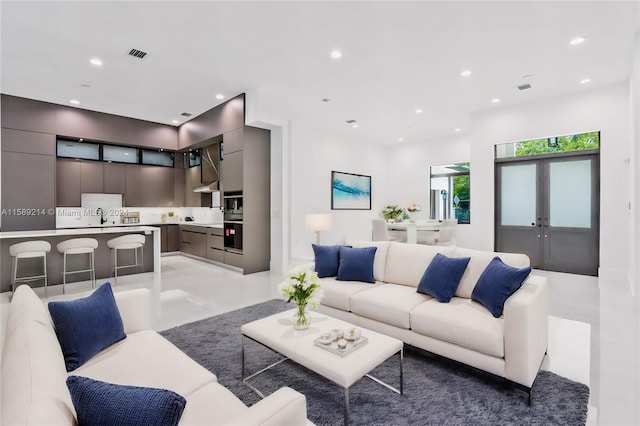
x=301 y=318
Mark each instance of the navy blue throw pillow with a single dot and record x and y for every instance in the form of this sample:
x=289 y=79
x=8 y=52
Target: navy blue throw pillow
x=327 y=260
x=356 y=264
x=497 y=282
x=442 y=276
x=101 y=403
x=86 y=326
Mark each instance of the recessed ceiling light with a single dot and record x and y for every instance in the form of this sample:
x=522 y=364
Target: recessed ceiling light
x=96 y=62
x=175 y=121
x=577 y=40
x=336 y=54
x=219 y=96
x=457 y=129
x=465 y=73
x=495 y=100
x=418 y=111
x=585 y=81
x=355 y=126
x=400 y=139
x=74 y=102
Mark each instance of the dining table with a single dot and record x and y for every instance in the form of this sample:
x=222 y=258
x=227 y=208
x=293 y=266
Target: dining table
x=412 y=228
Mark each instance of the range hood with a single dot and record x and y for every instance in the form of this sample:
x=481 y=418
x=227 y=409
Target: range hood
x=209 y=171
x=209 y=187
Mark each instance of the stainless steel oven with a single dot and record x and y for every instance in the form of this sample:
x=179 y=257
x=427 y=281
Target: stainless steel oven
x=233 y=237
x=233 y=206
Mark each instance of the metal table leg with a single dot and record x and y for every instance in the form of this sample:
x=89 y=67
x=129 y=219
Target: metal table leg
x=346 y=406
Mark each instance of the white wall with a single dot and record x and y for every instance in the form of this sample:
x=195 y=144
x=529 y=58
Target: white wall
x=314 y=154
x=604 y=109
x=634 y=90
x=408 y=173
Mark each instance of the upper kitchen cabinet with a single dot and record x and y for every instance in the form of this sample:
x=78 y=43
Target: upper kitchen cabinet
x=192 y=180
x=28 y=142
x=28 y=169
x=233 y=140
x=28 y=202
x=156 y=186
x=27 y=114
x=132 y=197
x=67 y=182
x=115 y=178
x=91 y=177
x=232 y=168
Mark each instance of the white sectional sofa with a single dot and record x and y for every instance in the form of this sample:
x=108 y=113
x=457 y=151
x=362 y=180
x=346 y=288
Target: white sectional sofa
x=34 y=391
x=511 y=346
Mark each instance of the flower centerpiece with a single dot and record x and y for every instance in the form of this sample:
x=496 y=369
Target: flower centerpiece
x=413 y=209
x=392 y=213
x=303 y=288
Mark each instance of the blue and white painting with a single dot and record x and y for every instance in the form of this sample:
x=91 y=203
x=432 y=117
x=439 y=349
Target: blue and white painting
x=350 y=192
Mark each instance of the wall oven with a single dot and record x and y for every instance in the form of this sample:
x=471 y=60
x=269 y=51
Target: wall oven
x=233 y=237
x=232 y=206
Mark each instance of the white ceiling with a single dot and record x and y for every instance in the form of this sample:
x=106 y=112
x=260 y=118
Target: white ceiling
x=397 y=57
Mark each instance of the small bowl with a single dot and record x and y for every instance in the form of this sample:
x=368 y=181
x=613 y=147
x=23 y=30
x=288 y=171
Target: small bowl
x=325 y=339
x=352 y=334
x=342 y=344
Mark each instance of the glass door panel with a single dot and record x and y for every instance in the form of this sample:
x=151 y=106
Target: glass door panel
x=570 y=194
x=518 y=195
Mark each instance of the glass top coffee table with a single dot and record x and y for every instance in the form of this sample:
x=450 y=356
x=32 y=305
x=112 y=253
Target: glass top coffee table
x=276 y=333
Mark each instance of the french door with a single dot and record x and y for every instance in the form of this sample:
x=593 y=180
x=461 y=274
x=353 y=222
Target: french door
x=548 y=208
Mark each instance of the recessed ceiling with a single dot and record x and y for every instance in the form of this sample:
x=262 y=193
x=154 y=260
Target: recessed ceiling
x=394 y=56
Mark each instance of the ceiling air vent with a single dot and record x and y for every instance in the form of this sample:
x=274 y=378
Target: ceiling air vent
x=186 y=114
x=351 y=121
x=524 y=86
x=137 y=53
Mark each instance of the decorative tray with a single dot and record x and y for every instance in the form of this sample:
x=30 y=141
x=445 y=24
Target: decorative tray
x=332 y=347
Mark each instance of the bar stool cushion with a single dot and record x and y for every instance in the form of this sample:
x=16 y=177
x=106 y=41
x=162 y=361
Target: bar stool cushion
x=102 y=403
x=87 y=326
x=78 y=245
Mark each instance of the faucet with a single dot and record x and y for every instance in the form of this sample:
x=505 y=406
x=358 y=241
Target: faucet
x=101 y=213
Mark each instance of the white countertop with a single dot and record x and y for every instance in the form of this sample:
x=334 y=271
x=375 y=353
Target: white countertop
x=78 y=231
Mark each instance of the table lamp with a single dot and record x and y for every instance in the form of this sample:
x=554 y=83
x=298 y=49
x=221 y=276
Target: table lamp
x=317 y=222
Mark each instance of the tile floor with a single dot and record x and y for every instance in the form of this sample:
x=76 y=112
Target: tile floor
x=594 y=326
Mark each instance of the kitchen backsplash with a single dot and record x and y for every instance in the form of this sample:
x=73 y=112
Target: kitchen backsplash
x=78 y=217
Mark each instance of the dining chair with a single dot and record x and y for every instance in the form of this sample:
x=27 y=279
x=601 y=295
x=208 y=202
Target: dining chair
x=447 y=234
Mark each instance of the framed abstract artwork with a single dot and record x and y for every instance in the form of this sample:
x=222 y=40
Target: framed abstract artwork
x=350 y=191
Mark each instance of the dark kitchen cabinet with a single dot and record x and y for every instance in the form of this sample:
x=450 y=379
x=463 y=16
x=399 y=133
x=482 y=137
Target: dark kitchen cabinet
x=169 y=238
x=192 y=180
x=193 y=240
x=132 y=197
x=156 y=186
x=232 y=167
x=178 y=187
x=215 y=244
x=233 y=140
x=67 y=182
x=91 y=177
x=115 y=180
x=28 y=201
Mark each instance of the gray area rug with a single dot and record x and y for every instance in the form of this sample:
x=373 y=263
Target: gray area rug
x=435 y=392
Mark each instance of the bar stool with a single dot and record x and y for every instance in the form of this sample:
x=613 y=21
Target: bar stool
x=76 y=246
x=26 y=250
x=127 y=242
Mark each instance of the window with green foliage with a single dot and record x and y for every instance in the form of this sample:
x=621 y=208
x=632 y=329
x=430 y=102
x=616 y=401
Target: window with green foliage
x=453 y=183
x=579 y=142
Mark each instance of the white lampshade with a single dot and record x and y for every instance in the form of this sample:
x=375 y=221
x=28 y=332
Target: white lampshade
x=317 y=222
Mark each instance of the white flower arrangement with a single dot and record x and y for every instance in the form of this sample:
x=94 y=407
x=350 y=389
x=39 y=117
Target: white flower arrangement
x=303 y=287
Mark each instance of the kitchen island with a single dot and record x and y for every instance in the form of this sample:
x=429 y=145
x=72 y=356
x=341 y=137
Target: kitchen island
x=103 y=255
